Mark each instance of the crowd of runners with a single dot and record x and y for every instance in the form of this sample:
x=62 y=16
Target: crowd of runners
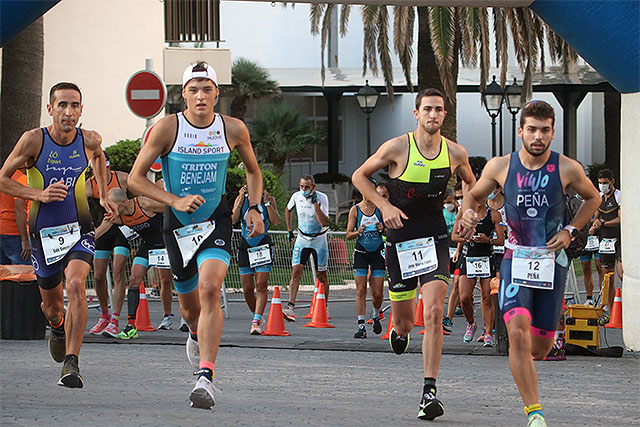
x=507 y=225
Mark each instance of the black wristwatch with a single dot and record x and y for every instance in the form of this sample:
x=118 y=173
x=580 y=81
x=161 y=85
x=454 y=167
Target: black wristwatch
x=256 y=207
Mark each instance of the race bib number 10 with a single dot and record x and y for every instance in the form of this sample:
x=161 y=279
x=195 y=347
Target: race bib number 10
x=190 y=238
x=533 y=267
x=56 y=241
x=417 y=257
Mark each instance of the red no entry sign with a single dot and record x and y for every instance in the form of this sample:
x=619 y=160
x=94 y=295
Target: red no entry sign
x=156 y=166
x=146 y=94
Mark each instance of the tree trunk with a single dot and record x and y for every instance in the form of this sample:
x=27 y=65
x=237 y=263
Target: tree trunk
x=238 y=107
x=428 y=73
x=21 y=92
x=612 y=133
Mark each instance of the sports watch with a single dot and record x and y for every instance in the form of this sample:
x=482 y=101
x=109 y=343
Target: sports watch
x=256 y=207
x=573 y=232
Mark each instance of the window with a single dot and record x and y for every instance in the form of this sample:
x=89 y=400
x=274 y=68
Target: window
x=315 y=107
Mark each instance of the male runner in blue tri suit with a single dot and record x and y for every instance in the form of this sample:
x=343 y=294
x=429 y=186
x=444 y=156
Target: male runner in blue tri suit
x=60 y=227
x=534 y=267
x=194 y=147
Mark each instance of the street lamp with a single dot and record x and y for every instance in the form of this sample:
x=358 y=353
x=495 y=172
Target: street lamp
x=492 y=97
x=367 y=99
x=514 y=104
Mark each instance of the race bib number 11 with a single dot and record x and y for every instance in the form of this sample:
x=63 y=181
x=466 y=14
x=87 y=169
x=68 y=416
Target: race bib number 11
x=417 y=257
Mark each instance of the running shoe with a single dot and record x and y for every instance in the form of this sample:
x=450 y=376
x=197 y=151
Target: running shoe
x=111 y=330
x=445 y=331
x=588 y=302
x=70 y=375
x=481 y=337
x=377 y=326
x=458 y=311
x=183 y=325
x=398 y=344
x=255 y=329
x=380 y=317
x=447 y=323
x=488 y=340
x=57 y=344
x=97 y=329
x=536 y=420
x=167 y=322
x=471 y=331
x=557 y=352
x=129 y=332
x=289 y=314
x=360 y=333
x=430 y=406
x=193 y=352
x=201 y=396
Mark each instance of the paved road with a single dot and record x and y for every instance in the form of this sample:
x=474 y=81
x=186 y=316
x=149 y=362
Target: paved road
x=314 y=377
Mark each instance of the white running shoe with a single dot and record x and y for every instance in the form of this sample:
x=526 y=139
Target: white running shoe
x=202 y=394
x=166 y=323
x=193 y=352
x=289 y=314
x=536 y=420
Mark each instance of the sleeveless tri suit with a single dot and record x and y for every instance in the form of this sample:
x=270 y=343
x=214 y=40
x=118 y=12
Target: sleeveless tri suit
x=532 y=280
x=257 y=250
x=369 y=250
x=197 y=165
x=149 y=228
x=112 y=240
x=60 y=231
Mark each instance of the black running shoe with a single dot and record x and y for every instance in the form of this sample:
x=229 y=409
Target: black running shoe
x=361 y=333
x=70 y=375
x=398 y=344
x=430 y=406
x=377 y=327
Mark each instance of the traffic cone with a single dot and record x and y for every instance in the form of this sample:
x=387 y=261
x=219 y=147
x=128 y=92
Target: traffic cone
x=313 y=301
x=616 y=311
x=275 y=321
x=389 y=326
x=419 y=312
x=142 y=314
x=319 y=319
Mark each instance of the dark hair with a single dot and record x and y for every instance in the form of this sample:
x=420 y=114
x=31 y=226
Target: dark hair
x=200 y=66
x=539 y=110
x=606 y=174
x=429 y=92
x=458 y=186
x=308 y=178
x=63 y=86
x=449 y=193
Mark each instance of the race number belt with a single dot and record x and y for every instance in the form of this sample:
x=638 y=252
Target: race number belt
x=608 y=246
x=533 y=267
x=593 y=244
x=56 y=241
x=259 y=255
x=159 y=258
x=478 y=267
x=311 y=236
x=128 y=233
x=190 y=237
x=417 y=257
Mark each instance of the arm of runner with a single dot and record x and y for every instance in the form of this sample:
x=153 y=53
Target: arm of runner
x=239 y=140
x=104 y=226
x=150 y=205
x=462 y=166
x=21 y=223
x=159 y=143
x=272 y=209
x=485 y=185
x=237 y=205
x=455 y=234
x=352 y=232
x=573 y=176
x=92 y=143
x=612 y=222
x=496 y=217
x=321 y=208
x=385 y=156
x=88 y=188
x=24 y=154
x=122 y=179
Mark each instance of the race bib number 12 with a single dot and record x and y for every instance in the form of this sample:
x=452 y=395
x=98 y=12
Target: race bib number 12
x=533 y=267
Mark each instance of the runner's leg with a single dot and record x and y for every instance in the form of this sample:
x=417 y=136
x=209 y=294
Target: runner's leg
x=433 y=294
x=211 y=274
x=262 y=280
x=248 y=288
x=77 y=310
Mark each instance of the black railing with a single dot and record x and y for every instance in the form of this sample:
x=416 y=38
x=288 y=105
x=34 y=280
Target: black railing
x=191 y=20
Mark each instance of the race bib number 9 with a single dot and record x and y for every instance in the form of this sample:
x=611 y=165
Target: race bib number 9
x=56 y=241
x=478 y=267
x=190 y=237
x=259 y=255
x=159 y=258
x=533 y=267
x=417 y=257
x=608 y=246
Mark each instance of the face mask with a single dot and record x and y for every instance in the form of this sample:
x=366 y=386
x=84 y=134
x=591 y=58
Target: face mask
x=492 y=195
x=449 y=206
x=604 y=188
x=306 y=193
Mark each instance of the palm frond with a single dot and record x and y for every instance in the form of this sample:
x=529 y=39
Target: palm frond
x=324 y=37
x=485 y=58
x=539 y=29
x=315 y=15
x=517 y=36
x=370 y=30
x=345 y=11
x=383 y=50
x=502 y=42
x=403 y=26
x=442 y=31
x=468 y=25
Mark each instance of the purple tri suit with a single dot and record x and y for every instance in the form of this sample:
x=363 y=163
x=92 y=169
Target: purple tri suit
x=534 y=203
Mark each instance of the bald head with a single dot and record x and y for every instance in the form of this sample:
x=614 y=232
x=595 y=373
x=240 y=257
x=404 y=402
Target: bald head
x=117 y=195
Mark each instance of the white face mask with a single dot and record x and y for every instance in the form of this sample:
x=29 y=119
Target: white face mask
x=604 y=188
x=492 y=195
x=449 y=206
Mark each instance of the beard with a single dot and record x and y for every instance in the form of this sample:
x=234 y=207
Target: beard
x=535 y=153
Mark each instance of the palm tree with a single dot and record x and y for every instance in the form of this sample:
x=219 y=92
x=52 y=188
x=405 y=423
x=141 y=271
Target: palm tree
x=279 y=131
x=249 y=80
x=21 y=98
x=447 y=37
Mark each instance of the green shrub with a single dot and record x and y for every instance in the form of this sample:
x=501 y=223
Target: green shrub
x=122 y=154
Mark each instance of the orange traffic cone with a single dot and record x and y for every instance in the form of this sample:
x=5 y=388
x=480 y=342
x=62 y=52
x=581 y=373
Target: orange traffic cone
x=313 y=301
x=319 y=319
x=616 y=311
x=389 y=326
x=419 y=312
x=142 y=314
x=275 y=321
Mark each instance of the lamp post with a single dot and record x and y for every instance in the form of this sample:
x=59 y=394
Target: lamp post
x=514 y=104
x=367 y=100
x=492 y=97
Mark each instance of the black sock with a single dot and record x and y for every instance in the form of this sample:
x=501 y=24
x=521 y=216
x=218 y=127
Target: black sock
x=360 y=321
x=70 y=357
x=429 y=385
x=205 y=372
x=133 y=299
x=290 y=304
